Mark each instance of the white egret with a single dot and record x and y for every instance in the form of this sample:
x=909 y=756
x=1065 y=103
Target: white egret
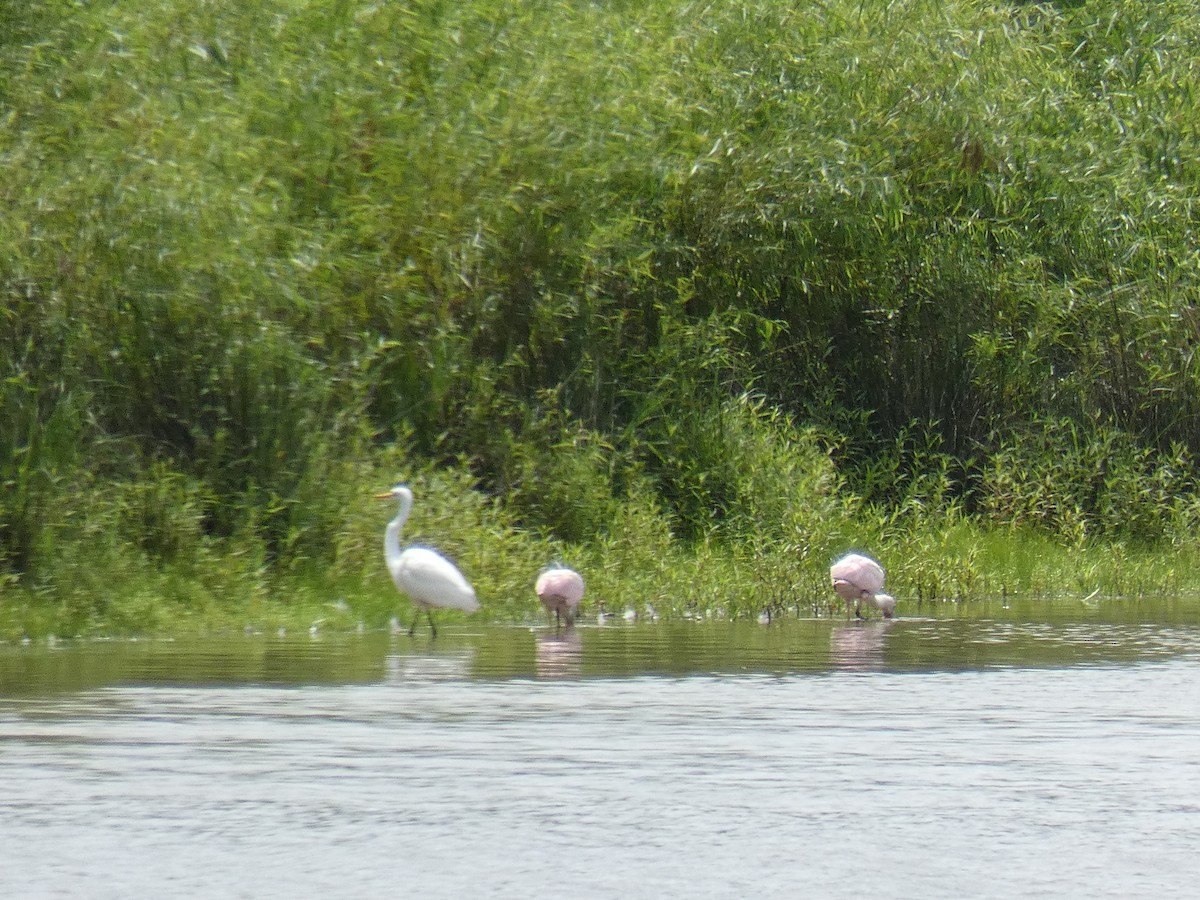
x=858 y=578
x=428 y=579
x=560 y=589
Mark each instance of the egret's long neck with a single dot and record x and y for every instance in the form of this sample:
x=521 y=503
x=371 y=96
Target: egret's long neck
x=391 y=537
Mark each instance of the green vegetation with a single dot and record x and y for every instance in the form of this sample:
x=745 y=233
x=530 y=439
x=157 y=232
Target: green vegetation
x=692 y=295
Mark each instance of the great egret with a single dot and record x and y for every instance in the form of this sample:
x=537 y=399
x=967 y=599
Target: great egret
x=560 y=589
x=858 y=578
x=429 y=579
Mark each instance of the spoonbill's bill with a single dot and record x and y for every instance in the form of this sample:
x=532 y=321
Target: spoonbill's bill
x=859 y=579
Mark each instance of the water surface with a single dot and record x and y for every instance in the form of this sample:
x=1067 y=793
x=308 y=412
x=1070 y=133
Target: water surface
x=913 y=758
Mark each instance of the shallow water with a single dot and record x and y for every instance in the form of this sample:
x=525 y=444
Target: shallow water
x=913 y=758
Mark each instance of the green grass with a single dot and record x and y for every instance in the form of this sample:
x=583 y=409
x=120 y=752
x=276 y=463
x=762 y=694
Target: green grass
x=696 y=295
x=937 y=563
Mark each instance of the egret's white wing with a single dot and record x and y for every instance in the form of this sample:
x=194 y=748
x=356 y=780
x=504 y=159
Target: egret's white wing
x=430 y=578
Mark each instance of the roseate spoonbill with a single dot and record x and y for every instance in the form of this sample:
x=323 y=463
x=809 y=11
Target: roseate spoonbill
x=560 y=589
x=858 y=578
x=429 y=579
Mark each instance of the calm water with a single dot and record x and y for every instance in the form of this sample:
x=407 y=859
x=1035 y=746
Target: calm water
x=918 y=758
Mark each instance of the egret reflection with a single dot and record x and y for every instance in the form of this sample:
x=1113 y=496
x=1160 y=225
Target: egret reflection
x=429 y=665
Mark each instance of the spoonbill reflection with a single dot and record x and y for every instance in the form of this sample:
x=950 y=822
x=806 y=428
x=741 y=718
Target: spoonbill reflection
x=560 y=589
x=428 y=579
x=559 y=655
x=859 y=646
x=858 y=579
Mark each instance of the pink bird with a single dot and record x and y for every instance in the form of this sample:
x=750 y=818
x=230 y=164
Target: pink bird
x=560 y=589
x=858 y=578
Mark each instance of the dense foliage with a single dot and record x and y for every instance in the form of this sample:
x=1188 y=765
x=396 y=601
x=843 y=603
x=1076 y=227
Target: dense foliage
x=670 y=287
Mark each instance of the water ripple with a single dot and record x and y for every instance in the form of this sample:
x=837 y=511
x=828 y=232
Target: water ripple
x=926 y=758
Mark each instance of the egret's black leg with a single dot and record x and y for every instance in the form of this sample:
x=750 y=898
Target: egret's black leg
x=412 y=629
x=432 y=627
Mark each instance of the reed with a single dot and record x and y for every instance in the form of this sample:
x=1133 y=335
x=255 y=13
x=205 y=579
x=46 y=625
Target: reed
x=752 y=281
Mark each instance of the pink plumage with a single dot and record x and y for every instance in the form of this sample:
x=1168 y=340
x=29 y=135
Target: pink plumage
x=858 y=578
x=560 y=589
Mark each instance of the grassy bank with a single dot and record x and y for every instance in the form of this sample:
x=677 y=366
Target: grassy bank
x=695 y=297
x=109 y=585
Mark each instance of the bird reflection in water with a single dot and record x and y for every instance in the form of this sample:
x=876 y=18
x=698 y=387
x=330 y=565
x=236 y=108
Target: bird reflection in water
x=559 y=654
x=449 y=666
x=858 y=646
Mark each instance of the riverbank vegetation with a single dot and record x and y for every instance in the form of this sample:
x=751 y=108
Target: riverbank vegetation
x=691 y=296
